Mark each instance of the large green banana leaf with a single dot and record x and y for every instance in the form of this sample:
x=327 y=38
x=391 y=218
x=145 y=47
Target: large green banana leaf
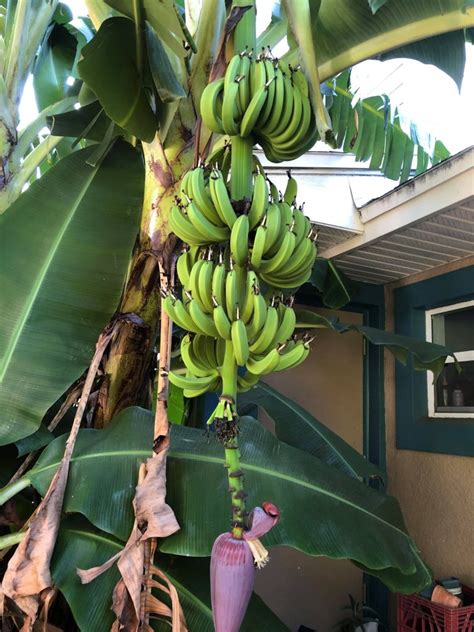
x=371 y=132
x=65 y=246
x=109 y=67
x=297 y=427
x=424 y=355
x=324 y=512
x=346 y=32
x=80 y=545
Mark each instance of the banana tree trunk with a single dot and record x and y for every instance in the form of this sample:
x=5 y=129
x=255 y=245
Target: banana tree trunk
x=128 y=371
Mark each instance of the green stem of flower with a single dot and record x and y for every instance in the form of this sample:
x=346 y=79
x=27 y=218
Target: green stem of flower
x=13 y=489
x=241 y=188
x=232 y=453
x=241 y=168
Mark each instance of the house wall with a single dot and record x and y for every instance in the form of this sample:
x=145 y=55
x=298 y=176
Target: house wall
x=299 y=589
x=436 y=491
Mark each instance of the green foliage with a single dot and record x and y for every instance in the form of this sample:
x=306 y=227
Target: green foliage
x=372 y=132
x=332 y=284
x=163 y=19
x=325 y=511
x=89 y=122
x=306 y=433
x=167 y=84
x=65 y=248
x=376 y=4
x=425 y=355
x=53 y=66
x=110 y=68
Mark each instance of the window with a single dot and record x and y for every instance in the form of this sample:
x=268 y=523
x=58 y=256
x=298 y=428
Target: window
x=452 y=395
x=429 y=417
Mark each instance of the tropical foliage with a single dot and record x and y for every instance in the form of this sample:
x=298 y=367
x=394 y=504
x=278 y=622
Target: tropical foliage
x=86 y=246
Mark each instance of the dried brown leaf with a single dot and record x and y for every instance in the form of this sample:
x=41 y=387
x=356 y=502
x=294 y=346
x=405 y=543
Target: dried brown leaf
x=154 y=517
x=27 y=580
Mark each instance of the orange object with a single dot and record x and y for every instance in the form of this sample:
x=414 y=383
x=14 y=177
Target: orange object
x=443 y=597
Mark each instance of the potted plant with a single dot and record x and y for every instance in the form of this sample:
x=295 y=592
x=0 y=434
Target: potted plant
x=361 y=618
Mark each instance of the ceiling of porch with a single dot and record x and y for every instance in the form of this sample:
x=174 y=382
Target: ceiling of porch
x=421 y=224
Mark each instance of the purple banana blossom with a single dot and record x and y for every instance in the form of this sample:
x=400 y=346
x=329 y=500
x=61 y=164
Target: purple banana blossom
x=233 y=569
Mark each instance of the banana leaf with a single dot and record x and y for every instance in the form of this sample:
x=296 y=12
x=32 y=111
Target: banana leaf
x=80 y=545
x=89 y=121
x=65 y=247
x=346 y=32
x=324 y=512
x=109 y=67
x=424 y=355
x=297 y=427
x=335 y=288
x=53 y=66
x=162 y=17
x=370 y=132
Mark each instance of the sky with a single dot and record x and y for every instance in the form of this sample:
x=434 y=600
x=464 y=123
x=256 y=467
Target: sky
x=424 y=94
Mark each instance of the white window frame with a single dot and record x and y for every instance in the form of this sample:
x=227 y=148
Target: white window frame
x=461 y=356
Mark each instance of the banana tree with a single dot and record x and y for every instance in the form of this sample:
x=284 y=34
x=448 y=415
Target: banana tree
x=169 y=108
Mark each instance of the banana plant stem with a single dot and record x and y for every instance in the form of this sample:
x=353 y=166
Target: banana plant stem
x=241 y=189
x=14 y=488
x=231 y=447
x=241 y=168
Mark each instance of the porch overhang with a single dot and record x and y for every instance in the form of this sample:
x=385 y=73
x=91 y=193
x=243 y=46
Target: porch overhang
x=423 y=223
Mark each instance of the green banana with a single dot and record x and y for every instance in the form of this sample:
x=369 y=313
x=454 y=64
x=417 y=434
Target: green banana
x=303 y=255
x=232 y=71
x=240 y=342
x=202 y=320
x=278 y=103
x=244 y=84
x=230 y=108
x=270 y=81
x=258 y=247
x=286 y=110
x=183 y=267
x=246 y=381
x=258 y=316
x=182 y=227
x=264 y=340
x=192 y=362
x=251 y=286
x=190 y=383
x=286 y=325
x=294 y=123
x=283 y=255
x=250 y=118
x=221 y=199
x=239 y=238
x=273 y=224
x=211 y=232
x=290 y=282
x=204 y=281
x=218 y=282
x=193 y=283
x=301 y=226
x=210 y=105
x=259 y=200
x=221 y=322
x=200 y=196
x=215 y=385
x=263 y=365
x=294 y=357
x=232 y=294
x=291 y=190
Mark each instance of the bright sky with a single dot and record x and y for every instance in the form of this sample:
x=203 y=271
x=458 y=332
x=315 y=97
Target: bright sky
x=424 y=94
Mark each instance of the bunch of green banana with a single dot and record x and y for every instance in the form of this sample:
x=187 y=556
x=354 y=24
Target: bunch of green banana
x=204 y=212
x=265 y=99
